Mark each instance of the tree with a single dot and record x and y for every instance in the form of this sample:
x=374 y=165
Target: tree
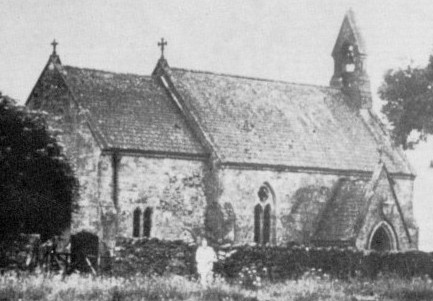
x=408 y=100
x=38 y=188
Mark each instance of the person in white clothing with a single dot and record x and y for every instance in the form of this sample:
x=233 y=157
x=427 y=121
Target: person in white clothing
x=205 y=258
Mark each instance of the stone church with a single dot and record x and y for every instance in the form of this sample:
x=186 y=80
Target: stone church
x=183 y=153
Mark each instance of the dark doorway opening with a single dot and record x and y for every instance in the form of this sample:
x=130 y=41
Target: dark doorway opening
x=84 y=251
x=381 y=241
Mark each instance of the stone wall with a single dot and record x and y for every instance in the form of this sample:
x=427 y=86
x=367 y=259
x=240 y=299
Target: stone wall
x=299 y=199
x=69 y=122
x=86 y=164
x=173 y=188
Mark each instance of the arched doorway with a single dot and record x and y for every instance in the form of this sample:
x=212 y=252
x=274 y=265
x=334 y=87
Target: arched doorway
x=382 y=238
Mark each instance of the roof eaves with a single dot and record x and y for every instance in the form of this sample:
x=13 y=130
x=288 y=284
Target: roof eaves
x=162 y=154
x=308 y=169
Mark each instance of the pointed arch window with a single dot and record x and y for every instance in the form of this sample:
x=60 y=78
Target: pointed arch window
x=267 y=224
x=257 y=222
x=264 y=225
x=136 y=222
x=147 y=221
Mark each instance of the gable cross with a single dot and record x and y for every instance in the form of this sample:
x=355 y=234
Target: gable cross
x=54 y=44
x=162 y=45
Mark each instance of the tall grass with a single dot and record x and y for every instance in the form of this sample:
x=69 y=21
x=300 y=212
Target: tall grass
x=38 y=286
x=311 y=287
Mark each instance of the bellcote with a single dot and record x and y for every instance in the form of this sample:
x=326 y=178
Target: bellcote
x=350 y=56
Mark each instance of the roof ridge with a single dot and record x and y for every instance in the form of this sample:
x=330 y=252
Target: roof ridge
x=106 y=71
x=253 y=78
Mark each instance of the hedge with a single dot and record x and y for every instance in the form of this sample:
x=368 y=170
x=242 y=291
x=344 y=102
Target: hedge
x=153 y=256
x=291 y=262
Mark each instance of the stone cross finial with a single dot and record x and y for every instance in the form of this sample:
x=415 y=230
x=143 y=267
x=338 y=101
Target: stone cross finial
x=54 y=44
x=162 y=44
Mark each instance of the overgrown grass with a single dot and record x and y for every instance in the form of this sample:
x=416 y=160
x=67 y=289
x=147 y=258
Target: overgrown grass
x=311 y=287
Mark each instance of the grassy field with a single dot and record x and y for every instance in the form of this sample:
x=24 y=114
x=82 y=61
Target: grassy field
x=312 y=286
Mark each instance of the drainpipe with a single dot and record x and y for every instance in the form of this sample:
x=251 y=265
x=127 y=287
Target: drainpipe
x=115 y=165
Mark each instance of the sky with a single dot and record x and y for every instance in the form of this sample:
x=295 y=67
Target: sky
x=288 y=40
x=285 y=40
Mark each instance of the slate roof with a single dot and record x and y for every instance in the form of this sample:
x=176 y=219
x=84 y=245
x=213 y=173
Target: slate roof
x=131 y=112
x=343 y=211
x=254 y=121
